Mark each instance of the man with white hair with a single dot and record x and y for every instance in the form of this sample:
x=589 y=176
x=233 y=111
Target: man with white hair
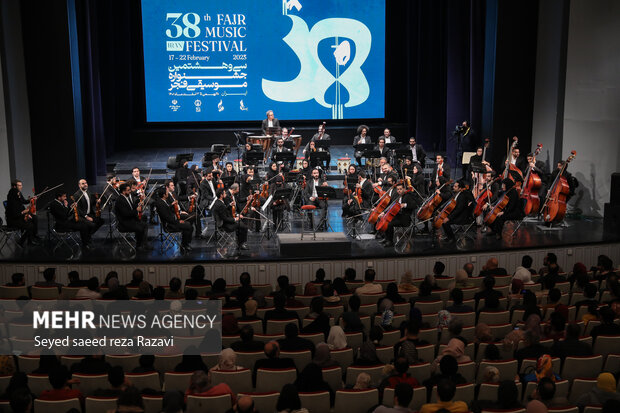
x=270 y=122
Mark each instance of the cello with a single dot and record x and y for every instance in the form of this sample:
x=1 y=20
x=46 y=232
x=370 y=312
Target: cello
x=484 y=197
x=380 y=206
x=425 y=212
x=478 y=177
x=531 y=186
x=441 y=217
x=554 y=208
x=388 y=216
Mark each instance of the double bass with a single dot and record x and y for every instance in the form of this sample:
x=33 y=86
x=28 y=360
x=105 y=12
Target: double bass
x=531 y=186
x=425 y=212
x=447 y=209
x=510 y=166
x=554 y=208
x=479 y=176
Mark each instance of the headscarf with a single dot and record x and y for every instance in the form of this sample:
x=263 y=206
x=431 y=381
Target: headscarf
x=544 y=368
x=483 y=333
x=606 y=382
x=444 y=318
x=362 y=382
x=461 y=275
x=337 y=339
x=524 y=275
x=490 y=375
x=322 y=354
x=407 y=278
x=227 y=360
x=533 y=324
x=250 y=307
x=536 y=406
x=456 y=349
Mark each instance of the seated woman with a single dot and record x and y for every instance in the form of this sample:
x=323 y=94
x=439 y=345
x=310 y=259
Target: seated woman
x=544 y=368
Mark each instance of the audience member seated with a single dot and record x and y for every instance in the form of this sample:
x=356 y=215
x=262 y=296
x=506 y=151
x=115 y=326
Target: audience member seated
x=245 y=404
x=340 y=286
x=524 y=275
x=385 y=315
x=197 y=277
x=492 y=268
x=61 y=389
x=483 y=333
x=461 y=279
x=291 y=301
x=137 y=276
x=172 y=402
x=397 y=373
x=403 y=393
x=289 y=401
x=446 y=389
x=549 y=259
x=323 y=356
x=74 y=280
x=487 y=291
x=533 y=349
x=571 y=346
x=218 y=288
x=552 y=277
x=329 y=294
x=273 y=360
x=448 y=369
x=438 y=269
x=227 y=361
x=279 y=312
x=311 y=287
x=49 y=274
x=454 y=330
x=145 y=291
x=607 y=326
x=247 y=343
x=311 y=380
x=369 y=287
x=21 y=400
x=526 y=262
x=406 y=346
x=457 y=302
x=367 y=355
x=249 y=311
x=604 y=268
x=146 y=364
x=530 y=305
x=456 y=349
x=491 y=305
x=544 y=369
x=469 y=269
x=491 y=353
x=175 y=289
x=47 y=363
x=320 y=323
x=91 y=364
x=362 y=382
x=130 y=401
x=406 y=283
x=230 y=327
x=351 y=321
x=17 y=280
x=556 y=328
x=115 y=291
x=292 y=341
x=553 y=303
x=116 y=378
x=350 y=274
x=245 y=290
x=545 y=393
x=200 y=385
x=604 y=390
x=425 y=294
x=191 y=361
x=507 y=398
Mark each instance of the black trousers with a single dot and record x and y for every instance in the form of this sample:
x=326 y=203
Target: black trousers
x=240 y=228
x=320 y=204
x=185 y=229
x=30 y=227
x=398 y=221
x=498 y=225
x=93 y=225
x=139 y=228
x=72 y=226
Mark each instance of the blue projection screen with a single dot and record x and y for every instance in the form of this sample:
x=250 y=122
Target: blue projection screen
x=207 y=60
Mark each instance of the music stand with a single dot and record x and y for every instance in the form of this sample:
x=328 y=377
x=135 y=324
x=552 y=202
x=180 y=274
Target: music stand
x=289 y=144
x=323 y=144
x=228 y=181
x=325 y=193
x=257 y=147
x=254 y=157
x=273 y=131
x=318 y=157
x=282 y=194
x=207 y=158
x=361 y=147
x=393 y=146
x=284 y=157
x=402 y=153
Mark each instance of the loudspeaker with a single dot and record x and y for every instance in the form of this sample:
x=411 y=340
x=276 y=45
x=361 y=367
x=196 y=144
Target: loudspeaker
x=615 y=189
x=611 y=220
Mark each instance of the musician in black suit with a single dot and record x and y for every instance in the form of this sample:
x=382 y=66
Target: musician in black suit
x=361 y=138
x=517 y=160
x=207 y=190
x=86 y=205
x=270 y=122
x=171 y=222
x=310 y=194
x=226 y=222
x=512 y=211
x=64 y=218
x=417 y=152
x=441 y=168
x=384 y=151
x=368 y=191
x=403 y=218
x=388 y=136
x=126 y=211
x=16 y=213
x=462 y=212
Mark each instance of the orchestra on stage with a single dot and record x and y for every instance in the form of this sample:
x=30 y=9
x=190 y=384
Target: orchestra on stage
x=390 y=194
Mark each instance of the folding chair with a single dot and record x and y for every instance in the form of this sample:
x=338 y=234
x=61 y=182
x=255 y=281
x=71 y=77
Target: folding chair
x=65 y=239
x=168 y=239
x=274 y=379
x=226 y=242
x=355 y=401
x=239 y=381
x=124 y=242
x=9 y=234
x=403 y=237
x=315 y=402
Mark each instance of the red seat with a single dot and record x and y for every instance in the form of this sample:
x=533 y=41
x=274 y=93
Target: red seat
x=308 y=207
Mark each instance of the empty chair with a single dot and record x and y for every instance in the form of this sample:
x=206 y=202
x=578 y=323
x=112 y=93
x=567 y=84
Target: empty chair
x=500 y=331
x=612 y=363
x=420 y=371
x=88 y=383
x=333 y=377
x=315 y=338
x=429 y=307
x=507 y=369
x=605 y=345
x=375 y=372
x=145 y=380
x=580 y=387
x=355 y=401
x=39 y=382
x=468 y=319
x=247 y=359
x=277 y=326
x=344 y=357
x=215 y=404
x=385 y=353
x=45 y=406
x=429 y=334
x=28 y=364
x=301 y=358
x=100 y=404
x=402 y=308
x=15 y=292
x=419 y=397
x=370 y=298
x=585 y=367
x=426 y=353
x=494 y=318
x=127 y=362
x=152 y=404
x=274 y=379
x=315 y=402
x=166 y=363
x=468 y=370
x=368 y=309
x=355 y=340
x=264 y=402
x=177 y=381
x=44 y=293
x=239 y=381
x=257 y=325
x=391 y=337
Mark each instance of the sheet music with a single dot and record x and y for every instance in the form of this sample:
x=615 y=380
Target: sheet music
x=212 y=203
x=267 y=203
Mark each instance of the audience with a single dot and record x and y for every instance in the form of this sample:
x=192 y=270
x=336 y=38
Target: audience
x=337 y=339
x=456 y=349
x=323 y=356
x=21 y=400
x=200 y=385
x=448 y=369
x=469 y=269
x=544 y=369
x=403 y=394
x=245 y=404
x=197 y=277
x=116 y=378
x=607 y=326
x=280 y=312
x=407 y=345
x=369 y=287
x=487 y=291
x=17 y=280
x=227 y=361
x=245 y=290
x=288 y=401
x=91 y=364
x=604 y=390
x=507 y=398
x=367 y=355
x=457 y=302
x=74 y=280
x=191 y=361
x=351 y=321
x=397 y=374
x=446 y=389
x=273 y=360
x=61 y=389
x=311 y=380
x=571 y=346
x=49 y=275
x=406 y=283
x=292 y=341
x=492 y=268
x=247 y=342
x=320 y=322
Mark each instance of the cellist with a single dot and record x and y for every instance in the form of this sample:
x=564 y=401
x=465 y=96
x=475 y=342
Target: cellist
x=513 y=209
x=462 y=212
x=403 y=218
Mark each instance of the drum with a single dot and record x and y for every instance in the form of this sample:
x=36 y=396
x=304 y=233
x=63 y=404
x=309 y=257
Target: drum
x=238 y=165
x=264 y=141
x=343 y=165
x=297 y=140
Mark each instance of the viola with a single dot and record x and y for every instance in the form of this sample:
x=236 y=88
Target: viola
x=425 y=212
x=303 y=184
x=98 y=205
x=358 y=196
x=256 y=200
x=554 y=209
x=531 y=187
x=233 y=208
x=32 y=209
x=388 y=216
x=447 y=209
x=140 y=207
x=244 y=211
x=192 y=202
x=264 y=190
x=75 y=210
x=177 y=209
x=382 y=203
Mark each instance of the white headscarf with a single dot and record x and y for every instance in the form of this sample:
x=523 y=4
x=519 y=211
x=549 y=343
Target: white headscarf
x=337 y=339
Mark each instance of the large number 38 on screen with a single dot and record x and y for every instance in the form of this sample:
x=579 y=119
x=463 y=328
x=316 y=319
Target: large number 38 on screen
x=189 y=20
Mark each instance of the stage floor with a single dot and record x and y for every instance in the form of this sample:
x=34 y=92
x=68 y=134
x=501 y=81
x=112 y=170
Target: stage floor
x=264 y=248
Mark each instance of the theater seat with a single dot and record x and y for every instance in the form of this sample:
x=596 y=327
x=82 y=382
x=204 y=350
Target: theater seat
x=100 y=404
x=216 y=404
x=274 y=379
x=47 y=406
x=264 y=402
x=355 y=401
x=419 y=397
x=584 y=367
x=315 y=402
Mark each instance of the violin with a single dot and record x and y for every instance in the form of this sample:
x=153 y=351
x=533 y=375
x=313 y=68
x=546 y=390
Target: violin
x=554 y=209
x=388 y=216
x=303 y=184
x=140 y=207
x=247 y=204
x=447 y=209
x=177 y=209
x=75 y=210
x=256 y=200
x=264 y=190
x=358 y=196
x=98 y=206
x=233 y=208
x=32 y=208
x=531 y=187
x=346 y=189
x=425 y=212
x=192 y=202
x=382 y=203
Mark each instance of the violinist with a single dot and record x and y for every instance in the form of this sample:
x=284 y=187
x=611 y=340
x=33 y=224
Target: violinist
x=310 y=195
x=229 y=171
x=64 y=220
x=193 y=179
x=388 y=136
x=232 y=196
x=86 y=205
x=126 y=213
x=18 y=217
x=244 y=158
x=226 y=222
x=367 y=191
x=175 y=197
x=462 y=212
x=207 y=190
x=361 y=138
x=403 y=218
x=441 y=169
x=306 y=170
x=274 y=170
x=169 y=219
x=111 y=188
x=249 y=184
x=141 y=182
x=512 y=211
x=417 y=151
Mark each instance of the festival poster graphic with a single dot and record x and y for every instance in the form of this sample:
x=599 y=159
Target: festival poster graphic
x=226 y=61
